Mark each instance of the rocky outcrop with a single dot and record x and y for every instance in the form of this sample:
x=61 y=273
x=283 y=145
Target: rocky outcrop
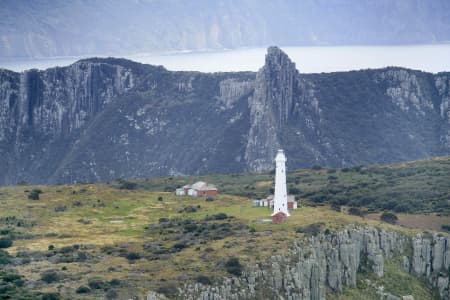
x=443 y=87
x=431 y=260
x=270 y=106
x=330 y=262
x=101 y=119
x=405 y=90
x=41 y=109
x=58 y=101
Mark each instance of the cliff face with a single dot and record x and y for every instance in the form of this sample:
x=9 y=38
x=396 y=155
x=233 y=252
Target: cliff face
x=328 y=262
x=270 y=107
x=101 y=119
x=442 y=83
x=44 y=112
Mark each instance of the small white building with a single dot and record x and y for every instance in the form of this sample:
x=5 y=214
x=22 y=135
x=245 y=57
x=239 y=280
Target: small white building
x=268 y=202
x=200 y=188
x=256 y=203
x=191 y=192
x=180 y=192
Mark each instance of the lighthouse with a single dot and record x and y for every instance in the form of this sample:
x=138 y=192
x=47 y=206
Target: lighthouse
x=280 y=199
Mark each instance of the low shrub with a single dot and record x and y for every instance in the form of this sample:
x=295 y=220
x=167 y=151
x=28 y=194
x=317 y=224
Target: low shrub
x=203 y=279
x=11 y=277
x=294 y=190
x=83 y=290
x=179 y=246
x=34 y=194
x=67 y=249
x=355 y=211
x=133 y=256
x=233 y=266
x=114 y=282
x=5 y=231
x=168 y=290
x=51 y=296
x=311 y=230
x=127 y=185
x=5 y=242
x=111 y=294
x=50 y=276
x=219 y=216
x=389 y=217
x=188 y=209
x=335 y=207
x=5 y=258
x=95 y=283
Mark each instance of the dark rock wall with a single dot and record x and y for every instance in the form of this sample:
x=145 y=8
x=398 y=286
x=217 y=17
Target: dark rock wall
x=101 y=119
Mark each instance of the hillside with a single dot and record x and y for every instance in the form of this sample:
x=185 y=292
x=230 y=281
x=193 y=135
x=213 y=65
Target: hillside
x=46 y=28
x=124 y=239
x=413 y=187
x=103 y=119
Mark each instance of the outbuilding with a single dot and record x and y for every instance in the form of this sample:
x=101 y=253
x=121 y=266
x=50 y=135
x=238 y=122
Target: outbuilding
x=279 y=217
x=200 y=188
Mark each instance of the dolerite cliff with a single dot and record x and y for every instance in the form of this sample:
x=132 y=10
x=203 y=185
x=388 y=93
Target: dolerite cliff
x=101 y=119
x=321 y=265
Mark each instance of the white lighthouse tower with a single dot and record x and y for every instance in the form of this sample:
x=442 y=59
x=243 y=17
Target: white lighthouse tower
x=280 y=198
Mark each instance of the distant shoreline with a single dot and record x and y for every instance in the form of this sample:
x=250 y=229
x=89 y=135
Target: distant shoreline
x=432 y=58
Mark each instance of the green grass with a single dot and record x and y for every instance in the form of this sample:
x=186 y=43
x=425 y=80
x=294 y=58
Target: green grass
x=415 y=187
x=394 y=281
x=107 y=223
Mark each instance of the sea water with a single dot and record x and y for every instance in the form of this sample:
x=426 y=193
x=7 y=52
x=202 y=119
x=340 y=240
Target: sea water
x=430 y=58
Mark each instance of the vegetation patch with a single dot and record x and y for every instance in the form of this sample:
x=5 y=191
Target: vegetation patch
x=127 y=235
x=389 y=217
x=34 y=194
x=414 y=187
x=312 y=229
x=233 y=266
x=5 y=242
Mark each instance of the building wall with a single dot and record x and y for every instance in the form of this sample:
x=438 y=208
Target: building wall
x=180 y=192
x=207 y=193
x=192 y=192
x=279 y=218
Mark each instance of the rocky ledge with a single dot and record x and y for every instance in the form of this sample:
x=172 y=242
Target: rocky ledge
x=327 y=262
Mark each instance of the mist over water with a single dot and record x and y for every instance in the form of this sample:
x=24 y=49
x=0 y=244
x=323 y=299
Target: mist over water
x=430 y=58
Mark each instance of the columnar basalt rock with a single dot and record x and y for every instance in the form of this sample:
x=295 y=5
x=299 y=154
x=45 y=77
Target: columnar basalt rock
x=100 y=119
x=442 y=83
x=232 y=90
x=431 y=260
x=331 y=261
x=270 y=106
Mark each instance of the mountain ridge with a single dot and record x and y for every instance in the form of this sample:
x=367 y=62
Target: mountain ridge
x=100 y=119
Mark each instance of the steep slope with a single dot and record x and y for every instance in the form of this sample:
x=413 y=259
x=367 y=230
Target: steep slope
x=100 y=119
x=327 y=262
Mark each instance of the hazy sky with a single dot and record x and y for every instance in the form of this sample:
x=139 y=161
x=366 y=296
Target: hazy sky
x=431 y=58
x=49 y=28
